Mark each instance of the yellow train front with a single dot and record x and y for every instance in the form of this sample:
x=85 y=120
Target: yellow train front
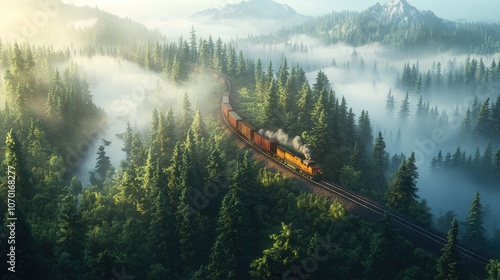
x=304 y=166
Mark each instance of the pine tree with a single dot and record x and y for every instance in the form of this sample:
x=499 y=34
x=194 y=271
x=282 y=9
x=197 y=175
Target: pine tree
x=496 y=165
x=226 y=259
x=483 y=123
x=404 y=111
x=283 y=254
x=69 y=239
x=495 y=119
x=448 y=267
x=304 y=105
x=384 y=247
x=193 y=54
x=322 y=84
x=270 y=104
x=466 y=125
x=365 y=135
x=403 y=189
x=474 y=230
x=187 y=116
x=380 y=163
x=16 y=161
x=486 y=164
x=103 y=164
x=127 y=141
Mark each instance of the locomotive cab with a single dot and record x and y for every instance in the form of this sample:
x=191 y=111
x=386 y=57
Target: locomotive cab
x=315 y=170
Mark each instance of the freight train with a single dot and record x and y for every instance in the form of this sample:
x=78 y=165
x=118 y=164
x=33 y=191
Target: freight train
x=306 y=167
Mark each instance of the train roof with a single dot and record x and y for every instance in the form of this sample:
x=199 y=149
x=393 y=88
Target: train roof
x=225 y=99
x=235 y=116
x=301 y=156
x=248 y=125
x=265 y=137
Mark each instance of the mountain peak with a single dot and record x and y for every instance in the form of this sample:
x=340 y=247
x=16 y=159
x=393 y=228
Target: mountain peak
x=251 y=9
x=398 y=12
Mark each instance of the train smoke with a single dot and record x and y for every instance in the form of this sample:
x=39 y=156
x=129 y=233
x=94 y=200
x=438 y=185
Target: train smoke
x=283 y=138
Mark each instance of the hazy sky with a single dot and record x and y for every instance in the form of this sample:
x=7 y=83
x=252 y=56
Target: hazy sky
x=486 y=10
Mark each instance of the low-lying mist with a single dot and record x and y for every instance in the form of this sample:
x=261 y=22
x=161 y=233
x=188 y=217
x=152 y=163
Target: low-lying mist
x=128 y=93
x=365 y=75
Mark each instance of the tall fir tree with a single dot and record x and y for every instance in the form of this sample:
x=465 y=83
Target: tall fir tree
x=403 y=189
x=474 y=230
x=448 y=266
x=404 y=110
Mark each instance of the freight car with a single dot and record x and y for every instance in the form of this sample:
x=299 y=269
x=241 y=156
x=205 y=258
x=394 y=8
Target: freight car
x=234 y=119
x=268 y=145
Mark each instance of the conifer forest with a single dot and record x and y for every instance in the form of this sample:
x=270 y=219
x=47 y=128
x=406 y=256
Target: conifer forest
x=249 y=140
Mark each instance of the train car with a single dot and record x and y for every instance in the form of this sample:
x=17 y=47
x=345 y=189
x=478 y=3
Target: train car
x=226 y=108
x=234 y=119
x=257 y=139
x=246 y=129
x=269 y=145
x=265 y=143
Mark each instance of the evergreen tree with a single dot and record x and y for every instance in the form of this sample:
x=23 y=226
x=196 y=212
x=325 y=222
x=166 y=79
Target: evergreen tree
x=486 y=164
x=466 y=125
x=496 y=164
x=103 y=164
x=495 y=119
x=187 y=116
x=284 y=253
x=474 y=230
x=403 y=189
x=483 y=123
x=380 y=163
x=270 y=104
x=322 y=84
x=304 y=105
x=15 y=158
x=365 y=135
x=227 y=252
x=404 y=111
x=69 y=239
x=384 y=248
x=448 y=263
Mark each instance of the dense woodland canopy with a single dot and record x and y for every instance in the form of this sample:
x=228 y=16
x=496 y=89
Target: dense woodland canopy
x=186 y=203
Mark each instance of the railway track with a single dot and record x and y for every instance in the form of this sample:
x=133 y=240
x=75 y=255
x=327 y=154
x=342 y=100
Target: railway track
x=399 y=219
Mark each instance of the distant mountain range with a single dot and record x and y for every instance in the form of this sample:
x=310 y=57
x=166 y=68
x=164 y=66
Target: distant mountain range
x=396 y=24
x=259 y=9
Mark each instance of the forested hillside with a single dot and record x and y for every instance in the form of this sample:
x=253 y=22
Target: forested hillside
x=154 y=203
x=187 y=203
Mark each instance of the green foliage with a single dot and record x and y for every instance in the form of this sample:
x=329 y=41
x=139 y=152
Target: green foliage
x=403 y=188
x=474 y=230
x=284 y=252
x=448 y=266
x=493 y=269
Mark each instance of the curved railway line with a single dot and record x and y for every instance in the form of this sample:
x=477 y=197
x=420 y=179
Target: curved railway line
x=423 y=232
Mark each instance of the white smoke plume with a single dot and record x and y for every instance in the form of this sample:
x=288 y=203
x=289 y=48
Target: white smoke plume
x=283 y=138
